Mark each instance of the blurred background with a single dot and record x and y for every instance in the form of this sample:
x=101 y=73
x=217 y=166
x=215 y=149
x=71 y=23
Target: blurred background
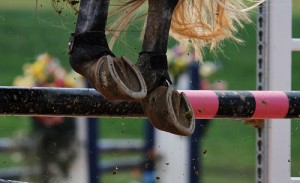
x=29 y=28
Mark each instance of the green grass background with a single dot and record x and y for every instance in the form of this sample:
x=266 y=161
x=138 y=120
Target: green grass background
x=28 y=29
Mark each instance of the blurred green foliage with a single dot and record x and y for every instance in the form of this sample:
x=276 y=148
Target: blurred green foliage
x=29 y=28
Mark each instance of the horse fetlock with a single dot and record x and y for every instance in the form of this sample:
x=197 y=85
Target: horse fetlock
x=85 y=49
x=91 y=45
x=154 y=68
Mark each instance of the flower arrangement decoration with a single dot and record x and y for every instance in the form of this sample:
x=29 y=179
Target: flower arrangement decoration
x=180 y=59
x=46 y=71
x=53 y=139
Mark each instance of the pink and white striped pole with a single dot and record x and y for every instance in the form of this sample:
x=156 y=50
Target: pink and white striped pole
x=207 y=104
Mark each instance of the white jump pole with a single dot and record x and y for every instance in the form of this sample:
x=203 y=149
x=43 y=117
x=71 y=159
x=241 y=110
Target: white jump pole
x=173 y=166
x=274 y=73
x=79 y=169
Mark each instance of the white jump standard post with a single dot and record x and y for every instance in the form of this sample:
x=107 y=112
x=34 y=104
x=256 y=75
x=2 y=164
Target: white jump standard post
x=275 y=44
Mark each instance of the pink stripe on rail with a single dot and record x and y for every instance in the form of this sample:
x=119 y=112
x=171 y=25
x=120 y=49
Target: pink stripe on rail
x=205 y=103
x=270 y=104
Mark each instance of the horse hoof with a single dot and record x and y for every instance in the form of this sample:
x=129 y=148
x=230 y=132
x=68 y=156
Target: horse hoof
x=118 y=79
x=169 y=111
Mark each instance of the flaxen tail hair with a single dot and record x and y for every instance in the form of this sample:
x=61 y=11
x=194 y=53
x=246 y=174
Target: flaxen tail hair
x=195 y=23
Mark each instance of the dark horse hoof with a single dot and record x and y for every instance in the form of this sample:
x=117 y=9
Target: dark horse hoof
x=117 y=79
x=169 y=111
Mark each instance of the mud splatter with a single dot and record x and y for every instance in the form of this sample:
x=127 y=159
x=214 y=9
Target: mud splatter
x=188 y=115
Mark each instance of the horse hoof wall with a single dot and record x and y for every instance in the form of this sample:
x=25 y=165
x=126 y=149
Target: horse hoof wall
x=118 y=79
x=170 y=111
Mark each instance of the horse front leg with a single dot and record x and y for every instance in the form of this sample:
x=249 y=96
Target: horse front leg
x=115 y=78
x=153 y=54
x=167 y=109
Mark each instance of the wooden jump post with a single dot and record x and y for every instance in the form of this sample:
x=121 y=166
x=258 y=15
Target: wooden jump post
x=206 y=104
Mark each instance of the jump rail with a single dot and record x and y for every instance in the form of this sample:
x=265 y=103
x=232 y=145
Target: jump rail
x=207 y=104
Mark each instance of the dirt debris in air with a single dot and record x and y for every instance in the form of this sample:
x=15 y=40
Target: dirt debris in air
x=196 y=171
x=264 y=102
x=115 y=171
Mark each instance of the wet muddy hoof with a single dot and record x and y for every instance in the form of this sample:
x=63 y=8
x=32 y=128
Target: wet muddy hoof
x=169 y=111
x=118 y=79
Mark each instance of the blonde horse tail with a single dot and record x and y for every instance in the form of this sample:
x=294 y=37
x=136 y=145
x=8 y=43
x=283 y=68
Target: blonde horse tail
x=195 y=23
x=123 y=15
x=202 y=23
